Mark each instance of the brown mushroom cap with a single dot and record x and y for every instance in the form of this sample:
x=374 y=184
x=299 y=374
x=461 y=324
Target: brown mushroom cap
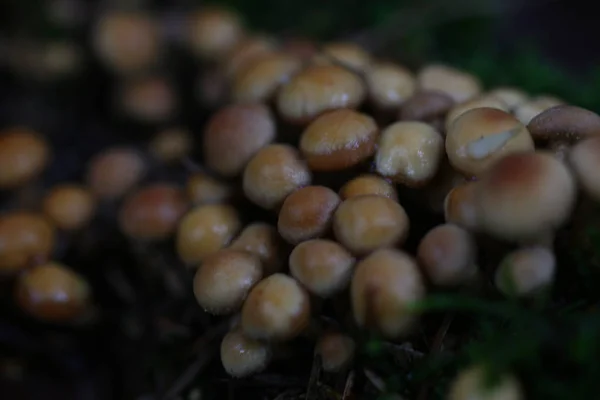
x=205 y=230
x=246 y=51
x=478 y=102
x=273 y=173
x=263 y=241
x=307 y=213
x=242 y=356
x=171 y=145
x=366 y=223
x=584 y=159
x=152 y=213
x=234 y=134
x=348 y=54
x=303 y=48
x=383 y=286
x=336 y=351
x=213 y=32
x=23 y=156
x=446 y=179
x=528 y=110
x=260 y=79
x=510 y=96
x=459 y=85
x=204 y=189
x=368 y=184
x=565 y=122
x=24 y=237
x=526 y=271
x=389 y=85
x=447 y=254
x=338 y=140
x=224 y=279
x=427 y=106
x=277 y=308
x=481 y=136
x=525 y=195
x=150 y=99
x=114 y=172
x=322 y=266
x=70 y=207
x=471 y=384
x=317 y=89
x=460 y=206
x=409 y=153
x=53 y=292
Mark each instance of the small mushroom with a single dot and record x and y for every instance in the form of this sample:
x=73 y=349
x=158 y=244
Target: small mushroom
x=273 y=173
x=427 y=106
x=459 y=85
x=234 y=134
x=471 y=384
x=447 y=254
x=481 y=136
x=383 y=287
x=348 y=54
x=584 y=159
x=524 y=196
x=338 y=140
x=368 y=184
x=510 y=96
x=277 y=308
x=322 y=266
x=526 y=271
x=242 y=356
x=336 y=351
x=478 y=102
x=262 y=240
x=148 y=99
x=564 y=123
x=366 y=223
x=317 y=89
x=446 y=179
x=24 y=155
x=409 y=153
x=212 y=32
x=389 y=85
x=245 y=52
x=171 y=145
x=529 y=109
x=70 y=207
x=205 y=189
x=460 y=206
x=114 y=172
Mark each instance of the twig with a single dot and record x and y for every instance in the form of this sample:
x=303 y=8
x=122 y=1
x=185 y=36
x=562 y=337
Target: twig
x=349 y=386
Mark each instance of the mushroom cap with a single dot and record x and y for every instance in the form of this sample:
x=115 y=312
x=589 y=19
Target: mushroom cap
x=525 y=271
x=242 y=356
x=204 y=230
x=70 y=207
x=273 y=173
x=447 y=254
x=336 y=351
x=409 y=153
x=53 y=292
x=584 y=159
x=460 y=206
x=389 y=85
x=23 y=156
x=338 y=140
x=213 y=32
x=264 y=241
x=171 y=145
x=150 y=99
x=224 y=279
x=204 y=189
x=323 y=266
x=446 y=179
x=246 y=51
x=481 y=136
x=261 y=78
x=383 y=287
x=365 y=223
x=565 y=122
x=348 y=54
x=368 y=184
x=478 y=102
x=510 y=96
x=114 y=172
x=470 y=385
x=277 y=308
x=426 y=105
x=307 y=213
x=24 y=237
x=459 y=85
x=317 y=89
x=235 y=134
x=529 y=109
x=524 y=195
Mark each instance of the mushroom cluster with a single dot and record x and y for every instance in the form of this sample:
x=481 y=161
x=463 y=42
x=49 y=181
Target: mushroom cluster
x=306 y=189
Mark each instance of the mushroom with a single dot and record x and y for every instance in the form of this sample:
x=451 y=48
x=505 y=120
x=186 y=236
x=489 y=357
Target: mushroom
x=304 y=49
x=457 y=84
x=148 y=99
x=460 y=206
x=205 y=189
x=384 y=286
x=510 y=96
x=273 y=173
x=584 y=160
x=368 y=184
x=317 y=89
x=409 y=153
x=24 y=155
x=307 y=213
x=242 y=356
x=478 y=102
x=153 y=212
x=213 y=32
x=366 y=223
x=338 y=140
x=526 y=271
x=245 y=52
x=427 y=106
x=471 y=384
x=234 y=134
x=348 y=54
x=24 y=239
x=524 y=196
x=446 y=179
x=389 y=85
x=53 y=292
x=212 y=87
x=204 y=230
x=447 y=254
x=481 y=136
x=322 y=266
x=171 y=145
x=261 y=78
x=70 y=207
x=277 y=308
x=114 y=172
x=262 y=240
x=529 y=109
x=224 y=279
x=336 y=351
